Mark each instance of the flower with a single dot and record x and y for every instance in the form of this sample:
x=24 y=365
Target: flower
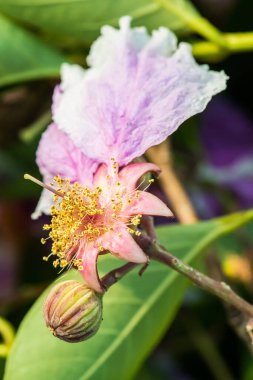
x=137 y=91
x=87 y=221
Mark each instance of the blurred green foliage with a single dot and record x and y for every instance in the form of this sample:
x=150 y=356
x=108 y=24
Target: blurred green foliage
x=35 y=38
x=24 y=56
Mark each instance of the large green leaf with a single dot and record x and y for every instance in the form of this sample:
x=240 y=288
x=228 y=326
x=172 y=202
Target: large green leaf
x=83 y=18
x=136 y=313
x=24 y=56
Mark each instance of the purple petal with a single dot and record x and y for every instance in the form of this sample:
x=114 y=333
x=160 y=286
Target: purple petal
x=243 y=190
x=57 y=155
x=227 y=133
x=138 y=91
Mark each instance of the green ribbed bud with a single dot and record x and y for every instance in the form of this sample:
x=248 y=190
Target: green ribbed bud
x=73 y=311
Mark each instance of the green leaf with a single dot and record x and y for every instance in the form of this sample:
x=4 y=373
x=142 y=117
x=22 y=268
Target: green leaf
x=137 y=311
x=35 y=129
x=24 y=56
x=83 y=19
x=248 y=370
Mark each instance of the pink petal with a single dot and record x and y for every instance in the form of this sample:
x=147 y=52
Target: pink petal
x=130 y=174
x=121 y=244
x=89 y=256
x=148 y=204
x=99 y=178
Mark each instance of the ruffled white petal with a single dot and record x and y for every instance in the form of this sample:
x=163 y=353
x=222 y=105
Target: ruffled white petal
x=139 y=90
x=70 y=75
x=44 y=205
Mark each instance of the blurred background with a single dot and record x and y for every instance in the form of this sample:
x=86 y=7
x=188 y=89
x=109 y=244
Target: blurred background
x=212 y=155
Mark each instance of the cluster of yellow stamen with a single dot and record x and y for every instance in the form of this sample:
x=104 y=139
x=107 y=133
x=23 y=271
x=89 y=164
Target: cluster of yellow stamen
x=78 y=217
x=72 y=220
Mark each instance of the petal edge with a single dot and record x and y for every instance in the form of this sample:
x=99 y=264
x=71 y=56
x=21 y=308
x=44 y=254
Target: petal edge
x=122 y=245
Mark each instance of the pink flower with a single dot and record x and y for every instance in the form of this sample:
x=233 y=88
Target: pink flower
x=136 y=92
x=105 y=217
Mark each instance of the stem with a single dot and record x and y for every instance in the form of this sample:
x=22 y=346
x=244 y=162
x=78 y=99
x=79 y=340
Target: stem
x=235 y=43
x=7 y=332
x=29 y=133
x=184 y=210
x=115 y=275
x=220 y=289
x=237 y=319
x=194 y=21
x=218 y=44
x=157 y=252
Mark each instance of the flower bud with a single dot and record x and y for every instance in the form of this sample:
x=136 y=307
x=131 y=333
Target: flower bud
x=73 y=311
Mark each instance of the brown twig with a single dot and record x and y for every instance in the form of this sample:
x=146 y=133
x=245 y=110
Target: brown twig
x=156 y=251
x=116 y=274
x=186 y=214
x=218 y=288
x=237 y=318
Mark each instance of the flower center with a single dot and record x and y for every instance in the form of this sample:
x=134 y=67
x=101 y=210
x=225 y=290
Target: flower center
x=75 y=216
x=81 y=215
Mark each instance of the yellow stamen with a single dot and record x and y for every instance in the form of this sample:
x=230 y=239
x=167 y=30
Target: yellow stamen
x=78 y=217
